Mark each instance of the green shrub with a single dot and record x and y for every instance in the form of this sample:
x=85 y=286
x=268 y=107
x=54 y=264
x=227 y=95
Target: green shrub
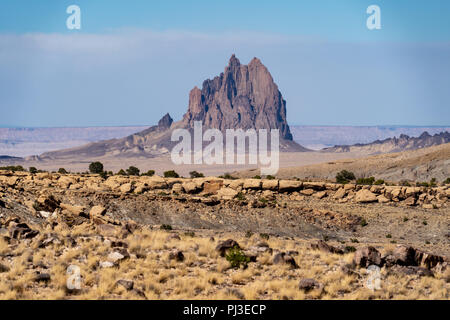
x=96 y=167
x=190 y=234
x=104 y=175
x=378 y=182
x=363 y=222
x=13 y=168
x=62 y=171
x=33 y=170
x=171 y=174
x=264 y=236
x=227 y=176
x=344 y=176
x=248 y=234
x=405 y=183
x=121 y=173
x=236 y=258
x=368 y=181
x=269 y=177
x=257 y=177
x=433 y=182
x=195 y=174
x=423 y=184
x=350 y=249
x=447 y=181
x=149 y=173
x=133 y=171
x=240 y=196
x=167 y=227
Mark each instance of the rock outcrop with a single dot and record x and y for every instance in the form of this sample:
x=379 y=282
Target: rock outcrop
x=242 y=97
x=402 y=143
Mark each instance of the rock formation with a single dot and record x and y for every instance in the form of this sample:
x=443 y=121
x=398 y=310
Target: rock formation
x=402 y=143
x=243 y=96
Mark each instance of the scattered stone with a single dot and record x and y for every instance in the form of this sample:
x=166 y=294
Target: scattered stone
x=224 y=246
x=176 y=255
x=118 y=256
x=42 y=277
x=283 y=258
x=4 y=268
x=366 y=256
x=227 y=193
x=97 y=211
x=412 y=270
x=365 y=196
x=308 y=284
x=307 y=192
x=323 y=246
x=127 y=284
x=106 y=264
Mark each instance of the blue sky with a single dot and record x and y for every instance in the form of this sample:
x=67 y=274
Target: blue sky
x=132 y=61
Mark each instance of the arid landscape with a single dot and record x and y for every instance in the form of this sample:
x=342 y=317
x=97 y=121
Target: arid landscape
x=213 y=238
x=115 y=218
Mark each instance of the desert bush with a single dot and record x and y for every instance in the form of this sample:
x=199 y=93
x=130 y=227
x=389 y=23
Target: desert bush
x=405 y=183
x=195 y=174
x=264 y=236
x=33 y=170
x=378 y=182
x=269 y=177
x=149 y=173
x=96 y=167
x=121 y=173
x=171 y=174
x=133 y=171
x=368 y=181
x=167 y=227
x=433 y=182
x=227 y=176
x=344 y=176
x=240 y=196
x=62 y=171
x=13 y=168
x=447 y=181
x=236 y=258
x=257 y=177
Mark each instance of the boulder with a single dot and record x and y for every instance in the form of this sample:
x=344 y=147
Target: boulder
x=253 y=184
x=97 y=211
x=126 y=284
x=320 y=194
x=268 y=184
x=126 y=188
x=341 y=193
x=308 y=284
x=227 y=193
x=289 y=185
x=283 y=258
x=365 y=196
x=307 y=192
x=224 y=246
x=176 y=255
x=366 y=256
x=190 y=187
x=323 y=246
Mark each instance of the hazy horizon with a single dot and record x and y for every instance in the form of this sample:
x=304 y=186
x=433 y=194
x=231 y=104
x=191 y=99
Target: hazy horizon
x=137 y=61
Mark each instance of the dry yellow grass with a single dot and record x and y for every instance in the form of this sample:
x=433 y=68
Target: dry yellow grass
x=203 y=274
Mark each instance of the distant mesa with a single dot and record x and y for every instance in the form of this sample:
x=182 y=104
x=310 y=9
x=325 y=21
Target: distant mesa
x=242 y=97
x=402 y=143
